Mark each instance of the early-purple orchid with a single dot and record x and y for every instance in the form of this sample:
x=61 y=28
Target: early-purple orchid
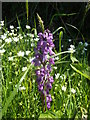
x=42 y=51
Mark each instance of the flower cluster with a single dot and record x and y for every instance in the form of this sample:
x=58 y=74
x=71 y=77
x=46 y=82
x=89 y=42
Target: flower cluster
x=43 y=51
x=72 y=48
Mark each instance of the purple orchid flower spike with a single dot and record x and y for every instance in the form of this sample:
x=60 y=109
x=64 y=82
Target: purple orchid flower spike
x=44 y=80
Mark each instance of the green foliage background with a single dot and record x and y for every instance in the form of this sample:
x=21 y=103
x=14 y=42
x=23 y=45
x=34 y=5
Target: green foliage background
x=73 y=68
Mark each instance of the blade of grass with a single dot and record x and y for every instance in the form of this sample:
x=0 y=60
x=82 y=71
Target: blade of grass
x=20 y=30
x=27 y=10
x=77 y=30
x=55 y=15
x=78 y=71
x=60 y=39
x=60 y=54
x=58 y=30
x=14 y=92
x=61 y=62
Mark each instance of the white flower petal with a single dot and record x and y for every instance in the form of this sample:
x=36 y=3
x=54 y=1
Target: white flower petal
x=36 y=39
x=2 y=51
x=24 y=69
x=11 y=27
x=73 y=90
x=28 y=27
x=22 y=88
x=10 y=58
x=8 y=40
x=27 y=52
x=20 y=53
x=57 y=75
x=64 y=88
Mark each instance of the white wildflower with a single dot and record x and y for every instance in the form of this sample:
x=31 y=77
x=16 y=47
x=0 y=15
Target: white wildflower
x=2 y=51
x=11 y=27
x=55 y=68
x=31 y=59
x=82 y=52
x=69 y=40
x=28 y=27
x=85 y=49
x=20 y=53
x=8 y=40
x=22 y=88
x=4 y=36
x=84 y=117
x=62 y=46
x=33 y=81
x=20 y=36
x=56 y=58
x=10 y=53
x=12 y=31
x=31 y=39
x=57 y=75
x=10 y=34
x=10 y=82
x=7 y=32
x=26 y=40
x=16 y=39
x=73 y=90
x=64 y=88
x=16 y=85
x=2 y=23
x=2 y=45
x=30 y=35
x=10 y=58
x=72 y=48
x=27 y=52
x=32 y=44
x=24 y=69
x=86 y=44
x=36 y=39
x=81 y=43
x=25 y=36
x=33 y=115
x=61 y=77
x=18 y=27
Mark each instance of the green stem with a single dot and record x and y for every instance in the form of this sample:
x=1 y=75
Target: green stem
x=27 y=10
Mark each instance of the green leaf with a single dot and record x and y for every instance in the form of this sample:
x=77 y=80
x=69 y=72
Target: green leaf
x=45 y=115
x=73 y=59
x=59 y=113
x=48 y=114
x=78 y=71
x=60 y=39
